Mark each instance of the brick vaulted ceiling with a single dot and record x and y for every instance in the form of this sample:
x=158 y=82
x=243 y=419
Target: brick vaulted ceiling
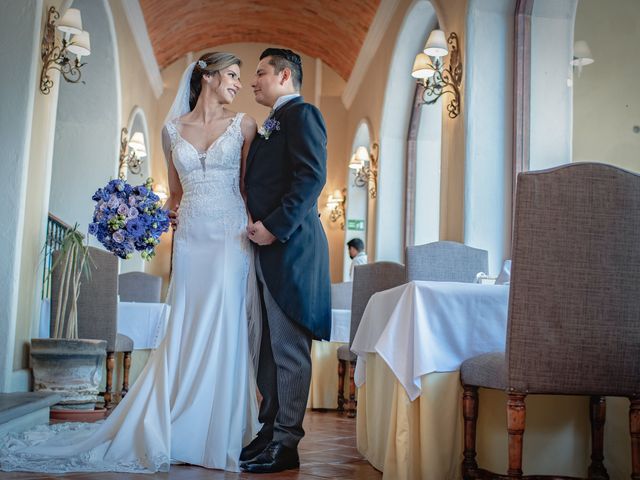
x=331 y=30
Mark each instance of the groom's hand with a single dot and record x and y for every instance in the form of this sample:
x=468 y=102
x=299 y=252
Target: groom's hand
x=259 y=234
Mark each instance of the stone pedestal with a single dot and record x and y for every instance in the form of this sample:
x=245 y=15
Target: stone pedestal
x=70 y=368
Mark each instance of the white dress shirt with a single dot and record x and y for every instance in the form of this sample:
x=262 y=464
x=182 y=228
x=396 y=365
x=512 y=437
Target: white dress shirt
x=359 y=259
x=284 y=99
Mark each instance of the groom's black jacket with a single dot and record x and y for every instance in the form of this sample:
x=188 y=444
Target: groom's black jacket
x=284 y=177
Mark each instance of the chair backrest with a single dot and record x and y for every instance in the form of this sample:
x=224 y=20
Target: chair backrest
x=341 y=295
x=574 y=301
x=140 y=287
x=367 y=280
x=445 y=262
x=98 y=298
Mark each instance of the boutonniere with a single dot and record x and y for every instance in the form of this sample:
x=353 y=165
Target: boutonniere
x=269 y=126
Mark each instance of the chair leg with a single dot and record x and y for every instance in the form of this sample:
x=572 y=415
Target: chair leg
x=516 y=413
x=126 y=363
x=597 y=414
x=352 y=391
x=341 y=373
x=634 y=429
x=470 y=413
x=109 y=381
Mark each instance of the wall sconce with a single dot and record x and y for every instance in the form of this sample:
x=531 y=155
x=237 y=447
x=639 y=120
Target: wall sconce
x=430 y=71
x=335 y=204
x=131 y=153
x=56 y=56
x=365 y=166
x=581 y=55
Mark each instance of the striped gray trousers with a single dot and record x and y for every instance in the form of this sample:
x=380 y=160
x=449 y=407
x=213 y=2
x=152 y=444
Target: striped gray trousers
x=284 y=371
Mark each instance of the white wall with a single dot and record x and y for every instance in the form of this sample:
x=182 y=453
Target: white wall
x=357 y=199
x=19 y=26
x=419 y=19
x=88 y=124
x=606 y=97
x=428 y=170
x=489 y=119
x=551 y=94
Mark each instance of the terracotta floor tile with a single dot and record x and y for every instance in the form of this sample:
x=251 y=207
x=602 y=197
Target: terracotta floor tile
x=327 y=451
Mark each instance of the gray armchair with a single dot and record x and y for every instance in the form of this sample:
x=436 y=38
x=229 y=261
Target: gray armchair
x=139 y=287
x=367 y=280
x=98 y=312
x=445 y=262
x=574 y=306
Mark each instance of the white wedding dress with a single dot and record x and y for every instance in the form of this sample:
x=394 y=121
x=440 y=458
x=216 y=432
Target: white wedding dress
x=195 y=400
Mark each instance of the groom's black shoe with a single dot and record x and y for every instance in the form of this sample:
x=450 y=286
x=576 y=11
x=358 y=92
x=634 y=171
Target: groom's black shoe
x=255 y=448
x=275 y=458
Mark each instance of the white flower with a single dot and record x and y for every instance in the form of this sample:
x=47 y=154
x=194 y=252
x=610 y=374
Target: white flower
x=202 y=63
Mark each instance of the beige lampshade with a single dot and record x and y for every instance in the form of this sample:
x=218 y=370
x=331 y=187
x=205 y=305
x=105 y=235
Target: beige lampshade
x=362 y=154
x=80 y=44
x=436 y=44
x=137 y=145
x=581 y=54
x=422 y=67
x=335 y=199
x=161 y=191
x=354 y=163
x=71 y=22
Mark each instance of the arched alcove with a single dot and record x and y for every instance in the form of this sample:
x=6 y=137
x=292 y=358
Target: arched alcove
x=137 y=124
x=420 y=19
x=87 y=130
x=357 y=221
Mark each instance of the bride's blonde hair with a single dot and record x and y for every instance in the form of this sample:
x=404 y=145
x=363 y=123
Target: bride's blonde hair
x=212 y=63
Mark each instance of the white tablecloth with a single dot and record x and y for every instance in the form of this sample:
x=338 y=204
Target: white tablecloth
x=424 y=327
x=340 y=325
x=144 y=323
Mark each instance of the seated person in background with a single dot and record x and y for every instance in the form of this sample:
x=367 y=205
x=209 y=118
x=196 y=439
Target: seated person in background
x=357 y=254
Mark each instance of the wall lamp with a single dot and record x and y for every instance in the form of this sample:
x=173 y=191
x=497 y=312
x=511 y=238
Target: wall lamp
x=430 y=71
x=335 y=204
x=365 y=166
x=132 y=153
x=56 y=55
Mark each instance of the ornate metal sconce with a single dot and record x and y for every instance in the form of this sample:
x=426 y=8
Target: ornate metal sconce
x=132 y=153
x=429 y=70
x=365 y=166
x=55 y=55
x=335 y=203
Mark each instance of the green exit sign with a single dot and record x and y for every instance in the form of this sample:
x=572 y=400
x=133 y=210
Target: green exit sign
x=355 y=225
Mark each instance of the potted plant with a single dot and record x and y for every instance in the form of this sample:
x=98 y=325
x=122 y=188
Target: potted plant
x=65 y=364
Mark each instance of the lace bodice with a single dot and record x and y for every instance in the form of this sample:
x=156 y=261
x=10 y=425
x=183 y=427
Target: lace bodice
x=210 y=180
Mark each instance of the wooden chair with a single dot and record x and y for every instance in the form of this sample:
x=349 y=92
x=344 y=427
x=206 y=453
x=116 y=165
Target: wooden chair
x=574 y=307
x=139 y=287
x=367 y=280
x=98 y=312
x=445 y=262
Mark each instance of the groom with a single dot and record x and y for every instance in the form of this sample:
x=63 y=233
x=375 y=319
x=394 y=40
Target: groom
x=285 y=173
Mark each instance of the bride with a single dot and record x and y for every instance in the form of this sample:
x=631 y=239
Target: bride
x=195 y=400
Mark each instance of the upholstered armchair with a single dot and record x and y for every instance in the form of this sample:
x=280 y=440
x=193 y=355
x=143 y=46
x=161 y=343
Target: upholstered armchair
x=367 y=280
x=139 y=287
x=445 y=262
x=574 y=306
x=98 y=311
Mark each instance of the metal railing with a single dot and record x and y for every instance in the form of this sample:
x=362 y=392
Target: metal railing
x=56 y=230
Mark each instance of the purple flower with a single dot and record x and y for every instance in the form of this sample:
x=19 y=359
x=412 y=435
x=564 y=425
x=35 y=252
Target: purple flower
x=268 y=127
x=118 y=236
x=123 y=209
x=133 y=213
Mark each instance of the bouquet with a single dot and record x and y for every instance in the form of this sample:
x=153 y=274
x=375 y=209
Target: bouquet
x=128 y=218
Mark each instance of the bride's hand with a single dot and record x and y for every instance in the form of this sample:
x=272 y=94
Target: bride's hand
x=173 y=217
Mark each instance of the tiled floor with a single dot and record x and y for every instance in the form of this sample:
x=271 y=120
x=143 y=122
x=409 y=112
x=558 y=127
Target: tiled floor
x=327 y=451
